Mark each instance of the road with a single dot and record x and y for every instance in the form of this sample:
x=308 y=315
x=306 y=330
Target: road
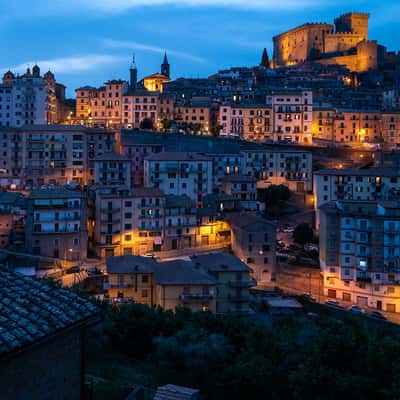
x=300 y=280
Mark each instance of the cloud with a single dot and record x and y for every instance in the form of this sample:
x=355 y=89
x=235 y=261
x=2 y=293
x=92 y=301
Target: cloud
x=70 y=64
x=123 y=44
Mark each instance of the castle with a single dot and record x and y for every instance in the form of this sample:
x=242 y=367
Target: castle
x=345 y=43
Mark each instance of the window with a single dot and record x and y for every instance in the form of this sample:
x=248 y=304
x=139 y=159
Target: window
x=250 y=260
x=145 y=278
x=145 y=293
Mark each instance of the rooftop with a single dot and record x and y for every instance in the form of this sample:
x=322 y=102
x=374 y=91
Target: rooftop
x=177 y=156
x=31 y=310
x=181 y=272
x=358 y=172
x=183 y=201
x=130 y=264
x=56 y=193
x=249 y=222
x=220 y=262
x=111 y=156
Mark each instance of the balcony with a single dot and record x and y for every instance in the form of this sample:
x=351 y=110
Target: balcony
x=115 y=232
x=362 y=278
x=113 y=221
x=196 y=297
x=242 y=284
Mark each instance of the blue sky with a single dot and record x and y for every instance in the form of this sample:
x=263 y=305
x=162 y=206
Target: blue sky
x=91 y=41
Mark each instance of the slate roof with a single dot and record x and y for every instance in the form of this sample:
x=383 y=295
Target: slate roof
x=249 y=222
x=177 y=156
x=31 y=310
x=56 y=193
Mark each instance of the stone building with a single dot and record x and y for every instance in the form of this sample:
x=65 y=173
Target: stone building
x=42 y=340
x=344 y=43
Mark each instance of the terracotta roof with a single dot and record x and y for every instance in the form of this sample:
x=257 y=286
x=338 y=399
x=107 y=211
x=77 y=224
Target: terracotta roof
x=31 y=310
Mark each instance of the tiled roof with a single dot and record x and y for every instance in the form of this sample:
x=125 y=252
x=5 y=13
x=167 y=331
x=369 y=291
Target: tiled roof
x=181 y=272
x=358 y=172
x=249 y=222
x=174 y=392
x=30 y=310
x=172 y=201
x=111 y=157
x=130 y=264
x=220 y=262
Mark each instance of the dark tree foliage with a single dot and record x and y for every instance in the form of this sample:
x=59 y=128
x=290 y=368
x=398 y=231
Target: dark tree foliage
x=303 y=234
x=233 y=358
x=275 y=198
x=147 y=124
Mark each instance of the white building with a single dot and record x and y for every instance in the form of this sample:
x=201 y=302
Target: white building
x=292 y=112
x=179 y=174
x=354 y=184
x=360 y=252
x=28 y=99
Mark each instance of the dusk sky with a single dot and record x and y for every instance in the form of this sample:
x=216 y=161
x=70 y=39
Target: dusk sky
x=91 y=41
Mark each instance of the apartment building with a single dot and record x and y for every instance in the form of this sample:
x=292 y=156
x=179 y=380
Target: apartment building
x=354 y=184
x=293 y=114
x=51 y=154
x=112 y=169
x=390 y=129
x=243 y=189
x=56 y=224
x=290 y=167
x=180 y=222
x=322 y=122
x=131 y=278
x=251 y=122
x=254 y=241
x=216 y=282
x=198 y=116
x=138 y=106
x=127 y=221
x=233 y=281
x=180 y=174
x=360 y=252
x=28 y=99
x=357 y=126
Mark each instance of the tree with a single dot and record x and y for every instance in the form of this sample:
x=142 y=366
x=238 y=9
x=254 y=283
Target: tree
x=303 y=234
x=275 y=198
x=146 y=123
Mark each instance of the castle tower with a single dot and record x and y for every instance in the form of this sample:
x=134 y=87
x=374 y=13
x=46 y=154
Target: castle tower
x=264 y=59
x=165 y=68
x=356 y=23
x=36 y=71
x=133 y=74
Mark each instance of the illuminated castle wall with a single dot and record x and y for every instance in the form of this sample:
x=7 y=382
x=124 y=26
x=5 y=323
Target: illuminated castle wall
x=345 y=43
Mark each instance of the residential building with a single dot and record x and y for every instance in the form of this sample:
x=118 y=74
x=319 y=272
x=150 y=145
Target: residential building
x=293 y=114
x=180 y=283
x=197 y=116
x=51 y=154
x=112 y=169
x=289 y=167
x=180 y=222
x=43 y=339
x=354 y=184
x=243 y=189
x=251 y=122
x=131 y=278
x=126 y=221
x=28 y=99
x=254 y=242
x=179 y=174
x=390 y=129
x=233 y=281
x=360 y=252
x=56 y=224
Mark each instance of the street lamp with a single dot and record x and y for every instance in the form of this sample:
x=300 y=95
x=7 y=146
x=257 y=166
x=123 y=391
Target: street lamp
x=65 y=255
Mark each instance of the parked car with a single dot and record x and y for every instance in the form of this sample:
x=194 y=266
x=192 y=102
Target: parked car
x=333 y=303
x=356 y=310
x=377 y=315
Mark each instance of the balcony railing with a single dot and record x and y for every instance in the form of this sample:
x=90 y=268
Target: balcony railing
x=112 y=210
x=108 y=285
x=196 y=296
